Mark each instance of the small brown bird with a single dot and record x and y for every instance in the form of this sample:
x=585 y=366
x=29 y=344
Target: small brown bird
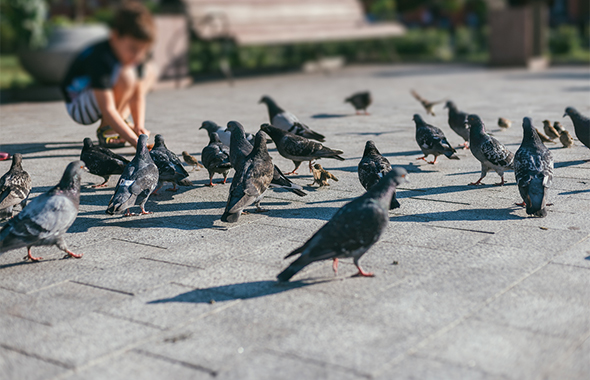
x=566 y=139
x=428 y=106
x=549 y=130
x=543 y=137
x=321 y=176
x=558 y=127
x=504 y=123
x=191 y=161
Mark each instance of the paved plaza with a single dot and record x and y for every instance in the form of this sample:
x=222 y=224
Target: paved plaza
x=467 y=286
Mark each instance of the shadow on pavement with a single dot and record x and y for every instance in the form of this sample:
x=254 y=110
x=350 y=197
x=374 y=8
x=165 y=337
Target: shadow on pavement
x=565 y=164
x=329 y=115
x=470 y=214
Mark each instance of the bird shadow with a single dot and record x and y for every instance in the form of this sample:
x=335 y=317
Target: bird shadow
x=410 y=168
x=26 y=148
x=239 y=291
x=565 y=164
x=461 y=215
x=329 y=115
x=366 y=133
x=447 y=189
x=575 y=192
x=27 y=262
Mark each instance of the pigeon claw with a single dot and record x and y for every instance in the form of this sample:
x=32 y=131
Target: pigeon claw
x=72 y=254
x=501 y=183
x=362 y=273
x=335 y=267
x=104 y=184
x=522 y=204
x=31 y=257
x=476 y=183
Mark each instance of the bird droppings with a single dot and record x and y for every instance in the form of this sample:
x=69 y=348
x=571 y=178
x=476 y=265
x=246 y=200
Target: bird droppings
x=544 y=228
x=395 y=263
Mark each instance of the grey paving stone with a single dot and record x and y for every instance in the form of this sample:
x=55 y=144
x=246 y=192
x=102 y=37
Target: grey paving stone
x=578 y=255
x=15 y=365
x=573 y=366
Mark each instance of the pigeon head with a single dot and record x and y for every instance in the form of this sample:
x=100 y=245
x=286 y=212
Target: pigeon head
x=370 y=148
x=274 y=133
x=213 y=138
x=418 y=119
x=71 y=177
x=17 y=161
x=450 y=105
x=159 y=142
x=475 y=123
x=142 y=149
x=384 y=189
x=570 y=111
x=235 y=126
x=88 y=143
x=260 y=143
x=530 y=134
x=209 y=125
x=266 y=100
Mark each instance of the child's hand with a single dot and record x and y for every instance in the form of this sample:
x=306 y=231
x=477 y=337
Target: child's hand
x=140 y=131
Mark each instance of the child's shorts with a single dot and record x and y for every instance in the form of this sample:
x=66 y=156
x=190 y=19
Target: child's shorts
x=84 y=108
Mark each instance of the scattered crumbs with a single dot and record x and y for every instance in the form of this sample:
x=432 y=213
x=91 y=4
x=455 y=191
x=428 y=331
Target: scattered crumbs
x=544 y=228
x=394 y=263
x=212 y=301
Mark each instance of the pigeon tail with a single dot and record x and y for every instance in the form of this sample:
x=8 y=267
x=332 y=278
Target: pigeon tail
x=451 y=155
x=314 y=136
x=230 y=218
x=394 y=203
x=185 y=182
x=294 y=268
x=535 y=202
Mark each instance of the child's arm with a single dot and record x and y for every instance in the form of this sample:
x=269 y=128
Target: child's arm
x=137 y=107
x=112 y=118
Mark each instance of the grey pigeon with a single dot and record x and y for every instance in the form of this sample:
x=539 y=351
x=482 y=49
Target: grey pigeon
x=432 y=140
x=458 y=122
x=240 y=148
x=138 y=181
x=15 y=186
x=215 y=157
x=352 y=230
x=46 y=218
x=298 y=148
x=360 y=101
x=372 y=168
x=252 y=179
x=492 y=154
x=101 y=161
x=428 y=105
x=581 y=125
x=286 y=121
x=533 y=168
x=224 y=133
x=169 y=165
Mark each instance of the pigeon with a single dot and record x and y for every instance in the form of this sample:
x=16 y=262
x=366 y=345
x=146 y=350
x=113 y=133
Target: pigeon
x=169 y=166
x=372 y=168
x=46 y=218
x=138 y=181
x=566 y=139
x=298 y=148
x=252 y=179
x=285 y=120
x=533 y=168
x=351 y=231
x=191 y=161
x=101 y=161
x=557 y=126
x=550 y=131
x=360 y=101
x=504 y=123
x=428 y=106
x=321 y=176
x=492 y=154
x=15 y=186
x=432 y=140
x=224 y=134
x=458 y=122
x=215 y=157
x=240 y=148
x=581 y=125
x=543 y=138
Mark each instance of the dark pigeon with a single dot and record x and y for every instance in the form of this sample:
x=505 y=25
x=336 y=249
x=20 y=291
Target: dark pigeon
x=533 y=168
x=252 y=179
x=138 y=181
x=352 y=230
x=360 y=101
x=581 y=125
x=372 y=168
x=492 y=154
x=169 y=165
x=298 y=148
x=458 y=122
x=215 y=157
x=432 y=140
x=15 y=186
x=240 y=148
x=286 y=121
x=46 y=218
x=224 y=133
x=101 y=161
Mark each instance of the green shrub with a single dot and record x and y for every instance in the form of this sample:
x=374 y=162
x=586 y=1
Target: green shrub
x=564 y=40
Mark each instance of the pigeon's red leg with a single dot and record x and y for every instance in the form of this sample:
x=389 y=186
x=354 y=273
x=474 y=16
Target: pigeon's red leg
x=294 y=170
x=224 y=179
x=104 y=184
x=310 y=169
x=143 y=212
x=478 y=182
x=357 y=112
x=335 y=266
x=362 y=273
x=366 y=113
x=155 y=192
x=211 y=182
x=422 y=158
x=72 y=254
x=31 y=257
x=523 y=204
x=501 y=183
x=466 y=145
x=433 y=162
x=174 y=188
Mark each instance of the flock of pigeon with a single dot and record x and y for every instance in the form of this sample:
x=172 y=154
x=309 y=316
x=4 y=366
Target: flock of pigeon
x=349 y=233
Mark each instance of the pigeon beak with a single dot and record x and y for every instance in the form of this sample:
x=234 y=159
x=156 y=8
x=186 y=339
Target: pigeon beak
x=405 y=177
x=83 y=167
x=565 y=114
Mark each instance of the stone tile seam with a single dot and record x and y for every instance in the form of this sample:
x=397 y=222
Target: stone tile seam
x=457 y=322
x=171 y=263
x=139 y=243
x=38 y=357
x=101 y=287
x=133 y=345
x=458 y=365
x=209 y=371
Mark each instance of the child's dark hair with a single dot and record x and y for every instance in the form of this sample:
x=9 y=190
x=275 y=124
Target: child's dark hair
x=135 y=20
